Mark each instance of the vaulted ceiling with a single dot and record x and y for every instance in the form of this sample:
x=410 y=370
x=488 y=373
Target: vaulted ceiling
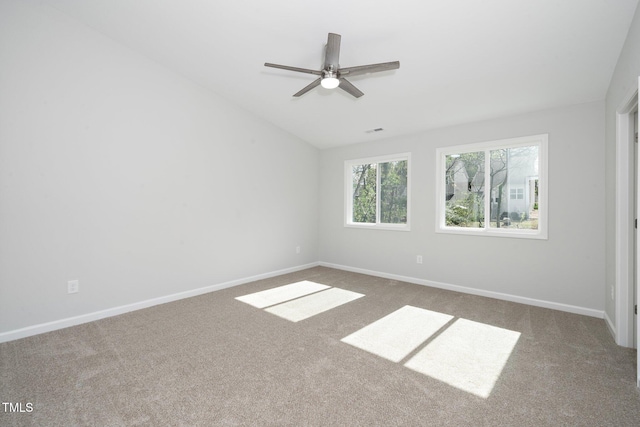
x=460 y=60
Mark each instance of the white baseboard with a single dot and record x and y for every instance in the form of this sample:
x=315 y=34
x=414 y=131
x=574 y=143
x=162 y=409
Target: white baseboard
x=497 y=295
x=610 y=325
x=115 y=311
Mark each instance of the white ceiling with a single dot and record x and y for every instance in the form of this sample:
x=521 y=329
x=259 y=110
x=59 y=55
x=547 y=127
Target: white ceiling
x=460 y=60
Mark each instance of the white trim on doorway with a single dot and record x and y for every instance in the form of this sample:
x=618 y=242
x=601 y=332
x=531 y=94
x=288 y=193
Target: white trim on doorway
x=625 y=152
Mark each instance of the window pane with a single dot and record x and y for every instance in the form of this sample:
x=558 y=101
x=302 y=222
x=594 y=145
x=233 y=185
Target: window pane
x=393 y=192
x=514 y=178
x=464 y=193
x=364 y=193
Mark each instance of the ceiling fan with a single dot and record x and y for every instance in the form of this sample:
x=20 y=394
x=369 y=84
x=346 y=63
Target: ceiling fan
x=331 y=75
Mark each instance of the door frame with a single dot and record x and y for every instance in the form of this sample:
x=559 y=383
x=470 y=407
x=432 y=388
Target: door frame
x=625 y=151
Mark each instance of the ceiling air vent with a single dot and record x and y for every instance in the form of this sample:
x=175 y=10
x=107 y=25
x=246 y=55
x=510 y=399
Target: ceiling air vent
x=374 y=130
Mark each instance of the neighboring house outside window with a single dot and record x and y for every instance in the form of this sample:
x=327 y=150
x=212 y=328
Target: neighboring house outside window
x=514 y=171
x=377 y=192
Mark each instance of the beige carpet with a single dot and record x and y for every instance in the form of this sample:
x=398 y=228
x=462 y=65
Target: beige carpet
x=442 y=358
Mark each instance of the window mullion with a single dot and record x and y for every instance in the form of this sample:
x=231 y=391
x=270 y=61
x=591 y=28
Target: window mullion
x=378 y=192
x=487 y=189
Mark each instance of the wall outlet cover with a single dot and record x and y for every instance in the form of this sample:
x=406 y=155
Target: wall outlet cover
x=73 y=286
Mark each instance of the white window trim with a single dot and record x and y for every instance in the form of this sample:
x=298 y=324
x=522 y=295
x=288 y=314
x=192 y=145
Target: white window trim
x=542 y=141
x=348 y=202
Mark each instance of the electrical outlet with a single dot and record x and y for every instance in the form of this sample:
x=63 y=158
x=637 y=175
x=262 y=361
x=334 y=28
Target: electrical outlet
x=419 y=259
x=73 y=286
x=297 y=249
x=613 y=295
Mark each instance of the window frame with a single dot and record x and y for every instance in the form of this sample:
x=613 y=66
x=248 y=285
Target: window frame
x=541 y=141
x=348 y=192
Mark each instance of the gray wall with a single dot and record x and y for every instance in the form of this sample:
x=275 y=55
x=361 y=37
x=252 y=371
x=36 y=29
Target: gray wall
x=568 y=268
x=623 y=82
x=120 y=173
x=130 y=178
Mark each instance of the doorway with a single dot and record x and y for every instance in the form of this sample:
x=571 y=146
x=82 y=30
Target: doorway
x=623 y=293
x=636 y=209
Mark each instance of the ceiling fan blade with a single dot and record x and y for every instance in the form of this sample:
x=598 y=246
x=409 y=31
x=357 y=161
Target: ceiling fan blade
x=307 y=88
x=371 y=68
x=332 y=54
x=350 y=89
x=299 y=70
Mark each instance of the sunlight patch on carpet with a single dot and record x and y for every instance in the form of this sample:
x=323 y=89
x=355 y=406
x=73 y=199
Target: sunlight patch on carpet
x=399 y=333
x=281 y=294
x=467 y=355
x=308 y=306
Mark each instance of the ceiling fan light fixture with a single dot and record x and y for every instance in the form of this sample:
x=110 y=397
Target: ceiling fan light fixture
x=330 y=82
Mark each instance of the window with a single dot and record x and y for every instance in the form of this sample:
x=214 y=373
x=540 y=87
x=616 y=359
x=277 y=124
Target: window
x=516 y=193
x=377 y=192
x=494 y=188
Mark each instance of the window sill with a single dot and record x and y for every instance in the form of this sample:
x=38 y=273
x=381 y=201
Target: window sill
x=387 y=227
x=522 y=234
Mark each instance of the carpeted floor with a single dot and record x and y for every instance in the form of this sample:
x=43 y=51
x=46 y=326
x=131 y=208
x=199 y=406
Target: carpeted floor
x=217 y=360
